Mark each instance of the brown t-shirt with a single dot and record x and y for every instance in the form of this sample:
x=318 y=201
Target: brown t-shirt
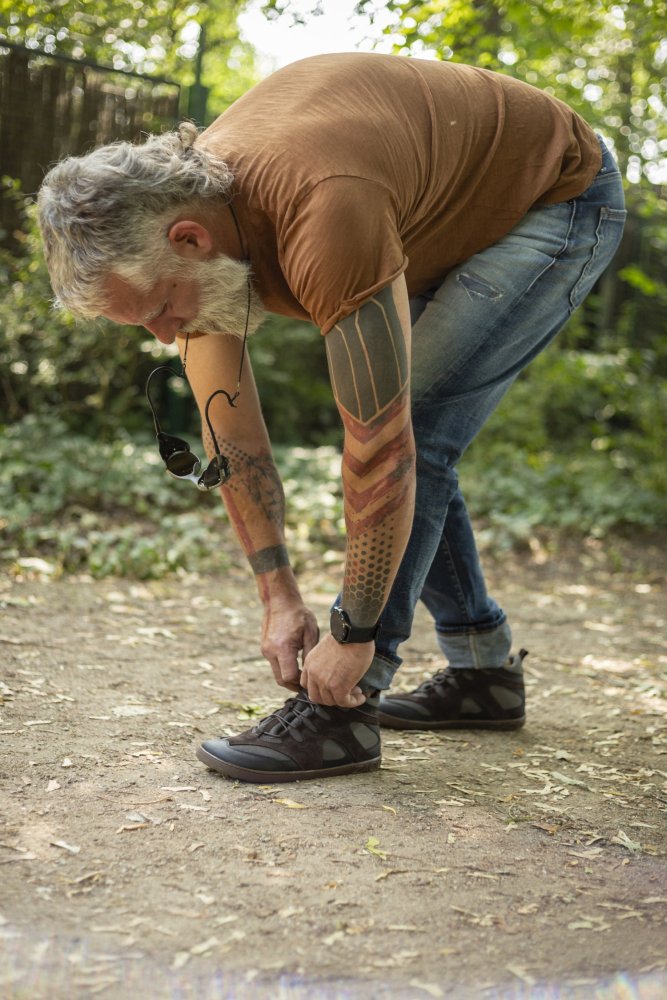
x=351 y=169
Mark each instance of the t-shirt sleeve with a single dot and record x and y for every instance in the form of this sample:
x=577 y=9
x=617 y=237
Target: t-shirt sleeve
x=340 y=246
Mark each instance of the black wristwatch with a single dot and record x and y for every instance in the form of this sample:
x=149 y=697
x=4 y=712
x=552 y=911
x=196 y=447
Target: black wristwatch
x=344 y=631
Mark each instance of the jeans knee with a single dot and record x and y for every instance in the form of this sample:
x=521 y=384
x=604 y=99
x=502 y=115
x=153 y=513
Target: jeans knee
x=433 y=464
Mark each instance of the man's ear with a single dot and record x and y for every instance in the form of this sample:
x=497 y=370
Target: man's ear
x=190 y=239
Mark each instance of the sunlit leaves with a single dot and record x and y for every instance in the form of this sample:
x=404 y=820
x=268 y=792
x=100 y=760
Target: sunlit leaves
x=606 y=58
x=159 y=37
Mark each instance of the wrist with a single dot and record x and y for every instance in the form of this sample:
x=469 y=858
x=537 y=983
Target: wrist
x=278 y=586
x=345 y=631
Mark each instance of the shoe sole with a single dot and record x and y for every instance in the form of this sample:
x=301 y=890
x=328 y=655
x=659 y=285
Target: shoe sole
x=391 y=722
x=272 y=777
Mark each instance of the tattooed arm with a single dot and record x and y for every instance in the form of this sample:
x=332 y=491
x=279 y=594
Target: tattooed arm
x=368 y=354
x=254 y=499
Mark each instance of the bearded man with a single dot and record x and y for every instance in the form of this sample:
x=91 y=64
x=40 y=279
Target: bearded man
x=439 y=223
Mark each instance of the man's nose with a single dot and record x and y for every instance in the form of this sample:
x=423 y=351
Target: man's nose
x=163 y=329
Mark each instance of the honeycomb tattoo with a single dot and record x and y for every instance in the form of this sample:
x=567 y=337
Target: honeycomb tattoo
x=367 y=569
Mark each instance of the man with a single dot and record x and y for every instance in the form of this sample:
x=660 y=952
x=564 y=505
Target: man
x=439 y=223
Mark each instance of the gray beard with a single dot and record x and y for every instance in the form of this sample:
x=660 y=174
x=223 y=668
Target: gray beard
x=227 y=299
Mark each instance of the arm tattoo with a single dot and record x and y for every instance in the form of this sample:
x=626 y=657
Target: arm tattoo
x=256 y=476
x=369 y=369
x=267 y=559
x=369 y=366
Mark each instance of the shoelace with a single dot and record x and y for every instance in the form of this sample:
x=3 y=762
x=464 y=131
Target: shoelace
x=439 y=679
x=295 y=713
x=450 y=676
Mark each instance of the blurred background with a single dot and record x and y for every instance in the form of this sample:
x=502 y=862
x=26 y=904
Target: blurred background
x=575 y=453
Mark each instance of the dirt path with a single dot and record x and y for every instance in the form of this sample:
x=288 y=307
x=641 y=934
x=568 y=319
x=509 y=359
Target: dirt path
x=470 y=862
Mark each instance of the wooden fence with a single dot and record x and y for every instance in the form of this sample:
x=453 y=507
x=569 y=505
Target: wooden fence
x=51 y=106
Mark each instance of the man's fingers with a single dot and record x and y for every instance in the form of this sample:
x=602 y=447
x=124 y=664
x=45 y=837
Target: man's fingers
x=290 y=672
x=331 y=696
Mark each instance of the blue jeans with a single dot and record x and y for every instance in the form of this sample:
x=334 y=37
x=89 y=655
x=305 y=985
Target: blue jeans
x=471 y=337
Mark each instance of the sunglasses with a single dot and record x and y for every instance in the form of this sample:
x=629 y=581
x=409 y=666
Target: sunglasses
x=176 y=454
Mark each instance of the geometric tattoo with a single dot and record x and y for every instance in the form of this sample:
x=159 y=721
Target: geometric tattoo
x=369 y=370
x=267 y=559
x=369 y=366
x=254 y=479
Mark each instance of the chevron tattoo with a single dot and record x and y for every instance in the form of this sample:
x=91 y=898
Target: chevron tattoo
x=369 y=368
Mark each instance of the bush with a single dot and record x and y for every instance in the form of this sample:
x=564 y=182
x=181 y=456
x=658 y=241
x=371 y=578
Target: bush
x=92 y=374
x=577 y=445
x=108 y=508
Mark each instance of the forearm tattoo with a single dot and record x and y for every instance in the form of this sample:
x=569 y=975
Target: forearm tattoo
x=369 y=368
x=254 y=478
x=273 y=557
x=254 y=474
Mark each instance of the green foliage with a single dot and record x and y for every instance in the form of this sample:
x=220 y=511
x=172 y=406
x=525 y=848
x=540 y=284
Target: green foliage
x=604 y=58
x=109 y=508
x=145 y=36
x=88 y=373
x=576 y=446
x=289 y=361
x=92 y=374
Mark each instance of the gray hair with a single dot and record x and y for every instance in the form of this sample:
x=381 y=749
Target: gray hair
x=107 y=211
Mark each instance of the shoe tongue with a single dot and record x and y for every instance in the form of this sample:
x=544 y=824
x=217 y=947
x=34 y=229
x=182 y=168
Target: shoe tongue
x=292 y=710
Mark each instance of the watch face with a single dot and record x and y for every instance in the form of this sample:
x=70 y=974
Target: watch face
x=339 y=625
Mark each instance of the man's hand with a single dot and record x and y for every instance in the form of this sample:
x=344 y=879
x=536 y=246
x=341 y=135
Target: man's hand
x=331 y=671
x=289 y=629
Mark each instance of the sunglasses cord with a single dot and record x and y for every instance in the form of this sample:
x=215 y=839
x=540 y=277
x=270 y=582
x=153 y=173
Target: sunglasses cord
x=223 y=392
x=230 y=399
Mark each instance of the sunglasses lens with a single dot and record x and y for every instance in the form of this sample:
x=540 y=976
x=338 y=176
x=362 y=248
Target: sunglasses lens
x=182 y=464
x=216 y=474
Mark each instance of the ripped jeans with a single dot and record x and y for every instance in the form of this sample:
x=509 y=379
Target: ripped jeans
x=472 y=336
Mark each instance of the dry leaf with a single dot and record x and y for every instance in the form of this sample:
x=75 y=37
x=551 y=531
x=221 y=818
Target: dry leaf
x=201 y=949
x=65 y=847
x=625 y=841
x=290 y=803
x=389 y=809
x=521 y=974
x=390 y=871
x=371 y=846
x=564 y=780
x=429 y=988
x=332 y=938
x=129 y=711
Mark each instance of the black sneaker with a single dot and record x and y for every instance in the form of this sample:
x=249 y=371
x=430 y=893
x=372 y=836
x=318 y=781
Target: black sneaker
x=301 y=740
x=461 y=698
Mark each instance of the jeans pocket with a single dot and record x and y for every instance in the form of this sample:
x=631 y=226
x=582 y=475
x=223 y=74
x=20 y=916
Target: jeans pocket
x=611 y=222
